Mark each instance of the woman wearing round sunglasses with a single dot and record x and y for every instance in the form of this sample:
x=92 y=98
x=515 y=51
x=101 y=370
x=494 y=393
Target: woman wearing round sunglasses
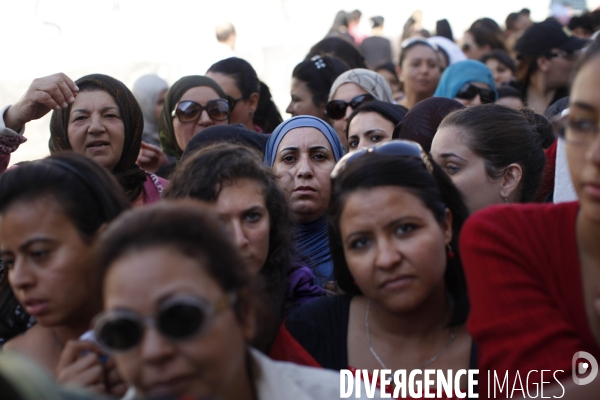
x=492 y=153
x=539 y=288
x=349 y=91
x=51 y=212
x=394 y=224
x=469 y=82
x=183 y=329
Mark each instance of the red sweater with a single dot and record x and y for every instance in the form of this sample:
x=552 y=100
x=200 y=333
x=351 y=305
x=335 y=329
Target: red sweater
x=524 y=279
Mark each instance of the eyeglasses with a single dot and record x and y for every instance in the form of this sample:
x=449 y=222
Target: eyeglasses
x=233 y=102
x=336 y=109
x=398 y=148
x=468 y=91
x=177 y=319
x=566 y=54
x=577 y=131
x=188 y=111
x=466 y=46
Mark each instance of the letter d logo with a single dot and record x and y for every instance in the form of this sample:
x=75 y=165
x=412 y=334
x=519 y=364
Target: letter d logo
x=583 y=367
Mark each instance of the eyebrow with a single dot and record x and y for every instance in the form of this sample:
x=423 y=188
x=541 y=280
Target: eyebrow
x=34 y=240
x=584 y=106
x=311 y=148
x=85 y=110
x=447 y=155
x=372 y=131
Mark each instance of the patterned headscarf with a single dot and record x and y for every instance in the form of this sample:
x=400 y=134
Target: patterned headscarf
x=129 y=175
x=166 y=132
x=370 y=81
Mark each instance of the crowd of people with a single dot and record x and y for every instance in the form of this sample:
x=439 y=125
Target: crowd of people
x=440 y=211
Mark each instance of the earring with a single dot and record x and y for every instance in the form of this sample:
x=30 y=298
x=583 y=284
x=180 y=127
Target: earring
x=449 y=252
x=506 y=200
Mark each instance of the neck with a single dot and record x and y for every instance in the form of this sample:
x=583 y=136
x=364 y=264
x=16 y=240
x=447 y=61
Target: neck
x=411 y=98
x=588 y=232
x=377 y=31
x=243 y=388
x=539 y=95
x=428 y=319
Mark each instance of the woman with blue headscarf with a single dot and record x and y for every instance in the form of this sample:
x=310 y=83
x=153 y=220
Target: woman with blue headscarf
x=302 y=152
x=469 y=82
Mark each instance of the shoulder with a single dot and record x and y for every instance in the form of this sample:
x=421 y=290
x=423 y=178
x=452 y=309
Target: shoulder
x=31 y=342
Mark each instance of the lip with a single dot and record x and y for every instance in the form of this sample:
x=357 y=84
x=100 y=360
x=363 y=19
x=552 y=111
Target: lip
x=397 y=282
x=592 y=190
x=172 y=386
x=97 y=144
x=36 y=307
x=305 y=189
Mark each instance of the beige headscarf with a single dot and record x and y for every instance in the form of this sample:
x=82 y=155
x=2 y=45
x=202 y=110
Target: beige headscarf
x=372 y=82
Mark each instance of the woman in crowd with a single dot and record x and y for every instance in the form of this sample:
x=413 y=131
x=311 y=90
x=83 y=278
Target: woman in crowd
x=202 y=308
x=311 y=82
x=492 y=153
x=350 y=90
x=544 y=260
x=388 y=71
x=51 y=213
x=469 y=82
x=302 y=152
x=340 y=48
x=483 y=36
x=150 y=91
x=255 y=211
x=421 y=123
x=502 y=66
x=510 y=96
x=419 y=71
x=96 y=116
x=395 y=218
x=371 y=123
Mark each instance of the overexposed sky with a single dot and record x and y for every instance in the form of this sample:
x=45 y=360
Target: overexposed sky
x=128 y=38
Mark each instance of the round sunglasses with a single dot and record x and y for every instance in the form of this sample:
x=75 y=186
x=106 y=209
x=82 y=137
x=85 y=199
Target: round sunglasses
x=468 y=91
x=188 y=110
x=336 y=109
x=177 y=319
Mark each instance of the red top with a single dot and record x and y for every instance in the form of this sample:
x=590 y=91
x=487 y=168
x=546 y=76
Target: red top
x=524 y=279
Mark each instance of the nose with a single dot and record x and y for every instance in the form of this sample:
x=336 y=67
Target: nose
x=388 y=255
x=155 y=348
x=96 y=125
x=305 y=167
x=241 y=240
x=205 y=119
x=290 y=109
x=476 y=101
x=593 y=153
x=21 y=277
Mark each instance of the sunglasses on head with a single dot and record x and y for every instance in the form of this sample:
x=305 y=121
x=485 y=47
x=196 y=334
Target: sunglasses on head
x=177 y=319
x=188 y=111
x=468 y=91
x=336 y=109
x=398 y=148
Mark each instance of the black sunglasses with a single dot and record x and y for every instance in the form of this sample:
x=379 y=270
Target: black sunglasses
x=188 y=111
x=336 y=109
x=398 y=148
x=233 y=102
x=177 y=319
x=468 y=91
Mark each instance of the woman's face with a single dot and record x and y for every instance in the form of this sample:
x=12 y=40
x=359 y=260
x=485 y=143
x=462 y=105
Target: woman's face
x=210 y=364
x=302 y=102
x=159 y=104
x=584 y=158
x=466 y=169
x=471 y=49
x=420 y=71
x=96 y=128
x=345 y=92
x=185 y=131
x=302 y=165
x=242 y=206
x=394 y=247
x=475 y=101
x=48 y=263
x=502 y=74
x=367 y=129
x=244 y=109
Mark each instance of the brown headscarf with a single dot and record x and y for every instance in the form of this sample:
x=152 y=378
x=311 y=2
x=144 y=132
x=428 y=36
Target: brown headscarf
x=129 y=175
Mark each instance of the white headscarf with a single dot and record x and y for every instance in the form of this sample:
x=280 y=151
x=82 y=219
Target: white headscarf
x=146 y=91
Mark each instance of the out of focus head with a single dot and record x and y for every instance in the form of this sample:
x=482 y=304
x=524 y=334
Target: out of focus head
x=469 y=82
x=419 y=67
x=340 y=48
x=581 y=132
x=483 y=36
x=373 y=122
x=172 y=262
x=225 y=32
x=51 y=211
x=492 y=154
x=502 y=66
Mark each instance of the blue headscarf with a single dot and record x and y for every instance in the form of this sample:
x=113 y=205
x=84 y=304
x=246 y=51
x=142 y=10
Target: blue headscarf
x=456 y=75
x=311 y=239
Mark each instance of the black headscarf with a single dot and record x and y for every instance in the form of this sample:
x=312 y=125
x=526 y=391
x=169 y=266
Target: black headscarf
x=129 y=175
x=237 y=133
x=166 y=132
x=422 y=121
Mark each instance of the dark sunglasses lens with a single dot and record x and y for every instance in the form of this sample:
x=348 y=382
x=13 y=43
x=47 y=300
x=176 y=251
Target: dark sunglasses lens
x=188 y=111
x=467 y=92
x=360 y=100
x=336 y=109
x=179 y=321
x=120 y=334
x=218 y=109
x=487 y=96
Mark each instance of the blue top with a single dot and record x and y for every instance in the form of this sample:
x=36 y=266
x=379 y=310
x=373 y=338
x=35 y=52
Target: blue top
x=456 y=75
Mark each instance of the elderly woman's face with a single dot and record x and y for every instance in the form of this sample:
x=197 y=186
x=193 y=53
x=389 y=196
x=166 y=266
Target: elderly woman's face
x=185 y=131
x=345 y=92
x=303 y=163
x=96 y=128
x=210 y=364
x=367 y=129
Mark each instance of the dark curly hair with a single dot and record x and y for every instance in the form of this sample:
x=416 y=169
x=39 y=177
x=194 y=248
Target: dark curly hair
x=435 y=190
